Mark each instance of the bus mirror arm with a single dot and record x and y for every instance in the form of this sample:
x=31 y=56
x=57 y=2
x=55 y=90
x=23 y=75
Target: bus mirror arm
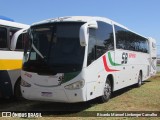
x=84 y=32
x=13 y=42
x=15 y=38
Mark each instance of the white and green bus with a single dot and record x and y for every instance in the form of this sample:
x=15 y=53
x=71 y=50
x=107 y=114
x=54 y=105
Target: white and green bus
x=76 y=59
x=10 y=61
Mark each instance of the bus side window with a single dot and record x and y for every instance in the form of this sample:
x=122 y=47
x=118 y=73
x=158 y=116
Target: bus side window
x=3 y=37
x=104 y=38
x=91 y=46
x=127 y=40
x=20 y=43
x=100 y=41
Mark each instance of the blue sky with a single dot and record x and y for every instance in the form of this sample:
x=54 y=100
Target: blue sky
x=141 y=16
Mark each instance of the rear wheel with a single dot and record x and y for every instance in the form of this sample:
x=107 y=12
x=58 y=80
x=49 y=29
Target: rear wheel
x=106 y=92
x=139 y=79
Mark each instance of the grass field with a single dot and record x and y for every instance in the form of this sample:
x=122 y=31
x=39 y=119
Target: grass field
x=145 y=98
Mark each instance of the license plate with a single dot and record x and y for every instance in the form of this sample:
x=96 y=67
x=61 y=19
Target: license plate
x=46 y=94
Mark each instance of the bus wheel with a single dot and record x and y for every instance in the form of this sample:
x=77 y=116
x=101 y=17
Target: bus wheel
x=139 y=79
x=106 y=92
x=17 y=90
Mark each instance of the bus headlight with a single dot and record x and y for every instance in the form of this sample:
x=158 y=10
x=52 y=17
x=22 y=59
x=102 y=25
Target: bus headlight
x=76 y=85
x=25 y=84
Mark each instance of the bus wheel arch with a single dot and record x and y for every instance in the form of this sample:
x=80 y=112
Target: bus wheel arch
x=111 y=79
x=107 y=90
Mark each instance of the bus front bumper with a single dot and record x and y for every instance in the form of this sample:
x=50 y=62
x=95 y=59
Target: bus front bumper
x=53 y=94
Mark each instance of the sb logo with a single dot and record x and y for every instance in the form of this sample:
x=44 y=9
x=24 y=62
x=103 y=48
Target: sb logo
x=61 y=78
x=124 y=58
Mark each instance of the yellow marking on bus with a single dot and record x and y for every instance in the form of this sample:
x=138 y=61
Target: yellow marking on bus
x=10 y=64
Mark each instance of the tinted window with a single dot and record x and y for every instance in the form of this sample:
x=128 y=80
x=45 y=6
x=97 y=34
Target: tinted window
x=20 y=41
x=100 y=41
x=91 y=46
x=3 y=38
x=122 y=36
x=104 y=38
x=56 y=48
x=130 y=41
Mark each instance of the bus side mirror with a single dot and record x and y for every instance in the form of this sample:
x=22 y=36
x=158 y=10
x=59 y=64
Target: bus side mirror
x=15 y=38
x=84 y=33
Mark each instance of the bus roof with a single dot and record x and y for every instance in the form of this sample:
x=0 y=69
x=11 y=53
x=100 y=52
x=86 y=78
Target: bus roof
x=82 y=19
x=12 y=24
x=76 y=19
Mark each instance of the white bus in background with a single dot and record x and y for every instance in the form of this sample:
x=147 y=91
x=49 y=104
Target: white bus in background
x=10 y=61
x=75 y=59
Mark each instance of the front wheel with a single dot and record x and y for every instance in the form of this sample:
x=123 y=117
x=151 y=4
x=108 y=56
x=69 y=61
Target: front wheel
x=106 y=92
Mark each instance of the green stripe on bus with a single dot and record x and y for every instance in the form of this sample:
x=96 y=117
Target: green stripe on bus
x=111 y=61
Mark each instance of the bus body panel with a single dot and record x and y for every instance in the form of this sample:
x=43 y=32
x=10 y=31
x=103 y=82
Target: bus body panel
x=55 y=93
x=10 y=61
x=11 y=64
x=93 y=79
x=44 y=94
x=128 y=72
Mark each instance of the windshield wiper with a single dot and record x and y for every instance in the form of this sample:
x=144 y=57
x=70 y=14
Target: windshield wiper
x=33 y=46
x=35 y=49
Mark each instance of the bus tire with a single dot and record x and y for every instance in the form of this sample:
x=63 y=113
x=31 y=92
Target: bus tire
x=139 y=83
x=17 y=90
x=106 y=92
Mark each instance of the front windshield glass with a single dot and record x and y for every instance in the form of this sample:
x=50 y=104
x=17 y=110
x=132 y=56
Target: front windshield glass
x=55 y=48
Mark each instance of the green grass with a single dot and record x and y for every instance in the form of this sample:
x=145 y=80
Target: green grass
x=158 y=64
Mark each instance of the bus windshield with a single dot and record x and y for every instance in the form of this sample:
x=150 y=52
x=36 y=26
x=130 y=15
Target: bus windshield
x=55 y=48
